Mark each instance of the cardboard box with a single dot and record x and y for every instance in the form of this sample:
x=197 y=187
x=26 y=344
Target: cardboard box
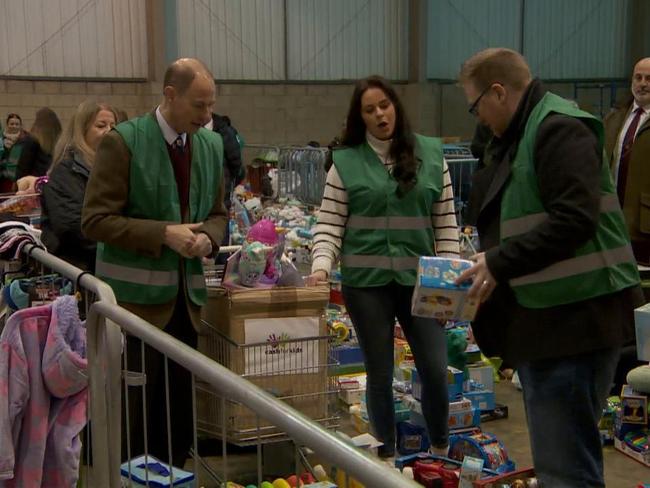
x=276 y=338
x=642 y=457
x=437 y=296
x=634 y=405
x=482 y=373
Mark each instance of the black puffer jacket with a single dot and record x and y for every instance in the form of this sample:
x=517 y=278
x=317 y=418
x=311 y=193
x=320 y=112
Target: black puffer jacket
x=232 y=162
x=62 y=201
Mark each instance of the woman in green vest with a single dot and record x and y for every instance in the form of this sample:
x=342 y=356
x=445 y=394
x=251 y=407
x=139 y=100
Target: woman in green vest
x=388 y=200
x=13 y=139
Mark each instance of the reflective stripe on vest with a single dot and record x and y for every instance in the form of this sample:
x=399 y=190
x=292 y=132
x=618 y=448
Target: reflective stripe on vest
x=135 y=275
x=145 y=277
x=521 y=225
x=577 y=265
x=396 y=263
x=391 y=222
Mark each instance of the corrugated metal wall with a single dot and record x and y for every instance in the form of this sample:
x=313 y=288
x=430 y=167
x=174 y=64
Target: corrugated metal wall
x=347 y=39
x=321 y=40
x=459 y=28
x=237 y=39
x=71 y=38
x=579 y=39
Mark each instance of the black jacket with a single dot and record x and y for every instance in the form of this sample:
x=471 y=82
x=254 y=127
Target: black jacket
x=62 y=202
x=33 y=160
x=233 y=170
x=567 y=161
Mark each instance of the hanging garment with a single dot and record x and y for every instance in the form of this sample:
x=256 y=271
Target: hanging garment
x=43 y=396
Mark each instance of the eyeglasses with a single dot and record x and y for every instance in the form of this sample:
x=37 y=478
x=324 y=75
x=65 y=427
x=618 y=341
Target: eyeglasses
x=474 y=107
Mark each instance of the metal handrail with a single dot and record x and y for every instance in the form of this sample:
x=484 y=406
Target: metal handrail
x=364 y=468
x=104 y=346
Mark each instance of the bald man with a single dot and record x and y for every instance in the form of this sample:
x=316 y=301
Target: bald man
x=154 y=204
x=627 y=144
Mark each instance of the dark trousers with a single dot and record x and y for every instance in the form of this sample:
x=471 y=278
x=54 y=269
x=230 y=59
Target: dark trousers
x=564 y=399
x=180 y=396
x=373 y=311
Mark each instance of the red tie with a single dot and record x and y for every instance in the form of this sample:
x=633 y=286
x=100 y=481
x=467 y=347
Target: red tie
x=626 y=152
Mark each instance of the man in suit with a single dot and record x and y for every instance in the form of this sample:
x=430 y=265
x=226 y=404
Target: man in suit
x=627 y=145
x=154 y=204
x=556 y=271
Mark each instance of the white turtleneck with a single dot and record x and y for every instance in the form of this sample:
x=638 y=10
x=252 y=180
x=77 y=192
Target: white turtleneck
x=380 y=147
x=333 y=215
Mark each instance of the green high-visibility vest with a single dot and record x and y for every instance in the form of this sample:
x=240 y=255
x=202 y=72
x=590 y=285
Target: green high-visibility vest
x=603 y=265
x=153 y=195
x=10 y=163
x=385 y=235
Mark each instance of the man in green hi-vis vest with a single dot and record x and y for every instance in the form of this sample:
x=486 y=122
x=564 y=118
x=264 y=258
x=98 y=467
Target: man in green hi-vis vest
x=154 y=204
x=556 y=271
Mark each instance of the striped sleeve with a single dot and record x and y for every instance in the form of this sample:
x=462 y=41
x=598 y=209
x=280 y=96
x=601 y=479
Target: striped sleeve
x=330 y=226
x=443 y=219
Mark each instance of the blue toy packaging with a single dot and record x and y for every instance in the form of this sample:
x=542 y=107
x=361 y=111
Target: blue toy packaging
x=437 y=296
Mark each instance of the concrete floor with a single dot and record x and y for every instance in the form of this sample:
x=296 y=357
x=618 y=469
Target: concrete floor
x=620 y=470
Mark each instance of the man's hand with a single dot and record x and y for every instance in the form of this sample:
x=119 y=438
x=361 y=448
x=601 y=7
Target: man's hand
x=202 y=246
x=483 y=283
x=316 y=278
x=181 y=238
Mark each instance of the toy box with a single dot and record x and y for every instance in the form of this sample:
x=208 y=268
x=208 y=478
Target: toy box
x=481 y=399
x=437 y=296
x=634 y=405
x=145 y=471
x=482 y=373
x=642 y=456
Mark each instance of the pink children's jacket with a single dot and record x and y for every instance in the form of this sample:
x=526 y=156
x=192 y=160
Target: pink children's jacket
x=43 y=396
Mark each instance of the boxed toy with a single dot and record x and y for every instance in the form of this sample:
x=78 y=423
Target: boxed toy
x=437 y=296
x=634 y=405
x=146 y=471
x=481 y=399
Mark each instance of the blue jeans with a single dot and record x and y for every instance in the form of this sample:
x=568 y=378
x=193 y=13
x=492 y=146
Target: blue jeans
x=373 y=311
x=564 y=399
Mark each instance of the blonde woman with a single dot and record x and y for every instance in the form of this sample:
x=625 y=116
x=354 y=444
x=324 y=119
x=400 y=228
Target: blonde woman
x=63 y=195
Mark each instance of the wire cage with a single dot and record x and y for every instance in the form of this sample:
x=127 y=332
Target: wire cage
x=276 y=339
x=296 y=371
x=461 y=165
x=301 y=173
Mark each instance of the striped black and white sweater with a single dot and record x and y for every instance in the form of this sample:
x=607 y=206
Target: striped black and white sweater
x=333 y=215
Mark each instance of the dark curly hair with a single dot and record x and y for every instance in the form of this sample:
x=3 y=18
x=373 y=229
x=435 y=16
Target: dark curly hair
x=403 y=140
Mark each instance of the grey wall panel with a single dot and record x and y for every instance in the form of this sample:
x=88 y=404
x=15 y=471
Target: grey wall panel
x=347 y=39
x=73 y=38
x=456 y=29
x=580 y=39
x=237 y=39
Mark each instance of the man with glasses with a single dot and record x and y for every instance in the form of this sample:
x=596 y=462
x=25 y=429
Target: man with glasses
x=556 y=271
